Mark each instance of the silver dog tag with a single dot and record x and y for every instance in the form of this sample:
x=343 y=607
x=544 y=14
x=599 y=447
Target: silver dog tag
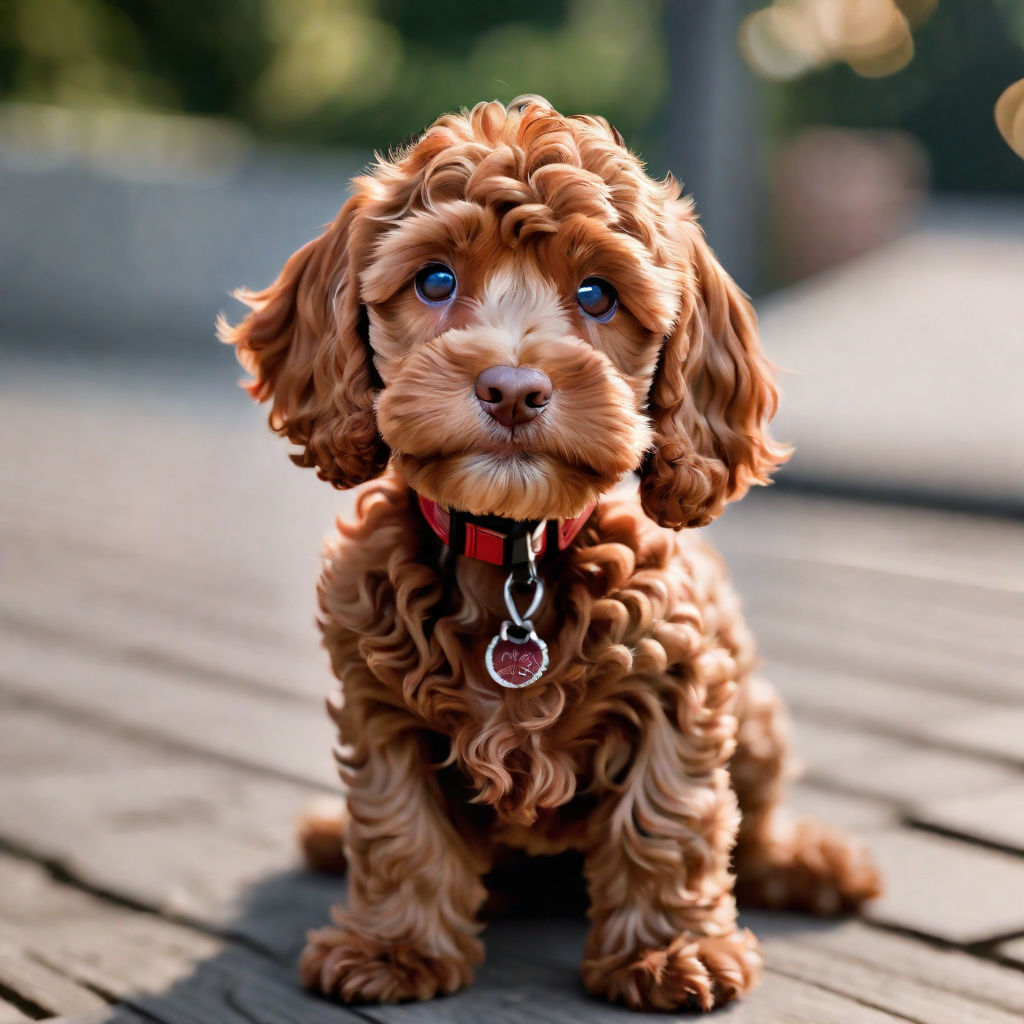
x=517 y=657
x=515 y=661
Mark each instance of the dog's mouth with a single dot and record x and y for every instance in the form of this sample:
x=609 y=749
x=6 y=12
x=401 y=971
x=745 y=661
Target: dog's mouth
x=527 y=444
x=510 y=481
x=514 y=446
x=514 y=450
x=524 y=442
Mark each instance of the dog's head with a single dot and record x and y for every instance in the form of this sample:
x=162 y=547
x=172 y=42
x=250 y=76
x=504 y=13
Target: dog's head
x=516 y=316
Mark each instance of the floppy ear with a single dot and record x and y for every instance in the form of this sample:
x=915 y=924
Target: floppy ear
x=306 y=345
x=712 y=397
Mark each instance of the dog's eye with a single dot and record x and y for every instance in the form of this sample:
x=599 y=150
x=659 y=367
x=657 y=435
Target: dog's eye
x=597 y=299
x=435 y=283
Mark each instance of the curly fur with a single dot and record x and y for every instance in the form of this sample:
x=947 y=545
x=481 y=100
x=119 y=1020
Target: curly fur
x=648 y=737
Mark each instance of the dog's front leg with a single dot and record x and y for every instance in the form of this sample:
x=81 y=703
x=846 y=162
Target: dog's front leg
x=664 y=933
x=409 y=930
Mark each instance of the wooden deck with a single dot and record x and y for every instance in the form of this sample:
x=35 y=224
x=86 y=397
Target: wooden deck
x=160 y=724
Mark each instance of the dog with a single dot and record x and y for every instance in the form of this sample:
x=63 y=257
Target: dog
x=506 y=320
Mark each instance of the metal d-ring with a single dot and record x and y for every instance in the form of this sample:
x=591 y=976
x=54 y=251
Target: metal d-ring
x=523 y=620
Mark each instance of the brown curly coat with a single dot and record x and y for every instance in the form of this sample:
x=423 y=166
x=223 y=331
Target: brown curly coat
x=648 y=745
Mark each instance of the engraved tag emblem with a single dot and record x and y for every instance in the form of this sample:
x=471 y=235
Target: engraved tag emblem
x=515 y=660
x=517 y=657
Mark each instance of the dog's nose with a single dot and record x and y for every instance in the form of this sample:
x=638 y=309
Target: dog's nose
x=513 y=394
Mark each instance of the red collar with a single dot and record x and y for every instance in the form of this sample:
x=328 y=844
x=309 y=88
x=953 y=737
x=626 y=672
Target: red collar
x=498 y=540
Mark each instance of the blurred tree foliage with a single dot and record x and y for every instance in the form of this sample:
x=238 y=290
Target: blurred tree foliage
x=372 y=72
x=965 y=55
x=358 y=72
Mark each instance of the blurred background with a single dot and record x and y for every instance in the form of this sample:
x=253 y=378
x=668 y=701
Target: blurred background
x=153 y=156
x=859 y=168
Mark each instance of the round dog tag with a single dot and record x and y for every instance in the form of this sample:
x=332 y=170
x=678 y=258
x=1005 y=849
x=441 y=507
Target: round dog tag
x=515 y=661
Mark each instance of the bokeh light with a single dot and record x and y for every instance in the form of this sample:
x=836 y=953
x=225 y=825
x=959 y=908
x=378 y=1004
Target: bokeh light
x=1010 y=117
x=791 y=37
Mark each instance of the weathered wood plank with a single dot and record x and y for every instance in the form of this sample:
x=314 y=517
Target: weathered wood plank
x=942 y=970
x=87 y=559
x=29 y=743
x=30 y=898
x=887 y=541
x=955 y=611
x=857 y=813
x=135 y=611
x=946 y=888
x=183 y=840
x=919 y=632
x=126 y=955
x=187 y=836
x=877 y=986
x=133 y=635
x=880 y=766
x=265 y=731
x=996 y=817
x=88 y=941
x=996 y=733
x=1013 y=950
x=182 y=504
x=111 y=1015
x=39 y=986
x=825 y=745
x=917 y=662
x=901 y=712
x=784 y=1000
x=10 y=1014
x=234 y=876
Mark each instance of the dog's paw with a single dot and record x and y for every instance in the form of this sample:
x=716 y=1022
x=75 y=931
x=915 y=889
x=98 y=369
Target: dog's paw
x=809 y=866
x=320 y=830
x=359 y=969
x=690 y=972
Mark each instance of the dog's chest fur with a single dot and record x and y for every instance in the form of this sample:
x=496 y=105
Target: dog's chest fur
x=630 y=618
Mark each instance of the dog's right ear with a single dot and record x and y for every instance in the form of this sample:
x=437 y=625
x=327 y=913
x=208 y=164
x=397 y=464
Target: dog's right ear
x=306 y=345
x=713 y=394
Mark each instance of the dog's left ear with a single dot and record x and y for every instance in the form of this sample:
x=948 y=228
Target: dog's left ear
x=713 y=395
x=306 y=345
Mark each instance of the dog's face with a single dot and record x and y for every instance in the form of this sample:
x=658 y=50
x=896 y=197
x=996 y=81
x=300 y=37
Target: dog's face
x=516 y=316
x=502 y=393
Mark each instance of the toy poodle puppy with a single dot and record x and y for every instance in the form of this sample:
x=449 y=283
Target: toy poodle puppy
x=504 y=322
